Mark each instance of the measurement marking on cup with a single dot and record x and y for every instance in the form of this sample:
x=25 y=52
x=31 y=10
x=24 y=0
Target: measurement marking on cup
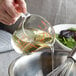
x=44 y=25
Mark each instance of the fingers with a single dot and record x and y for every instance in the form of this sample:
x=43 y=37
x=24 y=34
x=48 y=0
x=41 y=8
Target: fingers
x=22 y=6
x=4 y=21
x=8 y=13
x=4 y=16
x=10 y=9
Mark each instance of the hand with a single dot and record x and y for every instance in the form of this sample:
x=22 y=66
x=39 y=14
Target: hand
x=10 y=10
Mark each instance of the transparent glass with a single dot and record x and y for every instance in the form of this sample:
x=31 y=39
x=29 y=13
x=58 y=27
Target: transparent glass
x=34 y=33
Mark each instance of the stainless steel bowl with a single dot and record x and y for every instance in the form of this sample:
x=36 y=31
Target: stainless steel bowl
x=36 y=64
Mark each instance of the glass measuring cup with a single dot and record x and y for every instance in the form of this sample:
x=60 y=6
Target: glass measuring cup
x=34 y=33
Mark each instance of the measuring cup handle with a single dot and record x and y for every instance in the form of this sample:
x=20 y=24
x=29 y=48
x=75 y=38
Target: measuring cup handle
x=25 y=15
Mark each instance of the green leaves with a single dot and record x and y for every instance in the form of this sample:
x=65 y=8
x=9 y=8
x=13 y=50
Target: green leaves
x=72 y=29
x=69 y=42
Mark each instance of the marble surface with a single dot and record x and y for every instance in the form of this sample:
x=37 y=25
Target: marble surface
x=5 y=61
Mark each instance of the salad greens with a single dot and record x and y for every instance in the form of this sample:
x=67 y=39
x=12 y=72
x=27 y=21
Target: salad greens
x=69 y=42
x=72 y=29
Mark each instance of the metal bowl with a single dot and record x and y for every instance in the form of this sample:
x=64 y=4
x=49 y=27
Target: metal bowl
x=36 y=64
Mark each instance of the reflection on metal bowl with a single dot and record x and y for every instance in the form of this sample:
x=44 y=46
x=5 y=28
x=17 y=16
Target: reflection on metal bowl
x=36 y=64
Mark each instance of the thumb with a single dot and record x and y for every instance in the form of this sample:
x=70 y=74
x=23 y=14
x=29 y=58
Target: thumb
x=21 y=6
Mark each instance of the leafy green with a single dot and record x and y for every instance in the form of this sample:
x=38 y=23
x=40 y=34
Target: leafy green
x=72 y=29
x=69 y=42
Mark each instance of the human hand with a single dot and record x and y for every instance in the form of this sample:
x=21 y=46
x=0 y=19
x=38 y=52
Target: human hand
x=10 y=10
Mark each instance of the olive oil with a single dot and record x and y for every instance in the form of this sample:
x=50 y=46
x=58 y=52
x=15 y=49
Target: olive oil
x=32 y=40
